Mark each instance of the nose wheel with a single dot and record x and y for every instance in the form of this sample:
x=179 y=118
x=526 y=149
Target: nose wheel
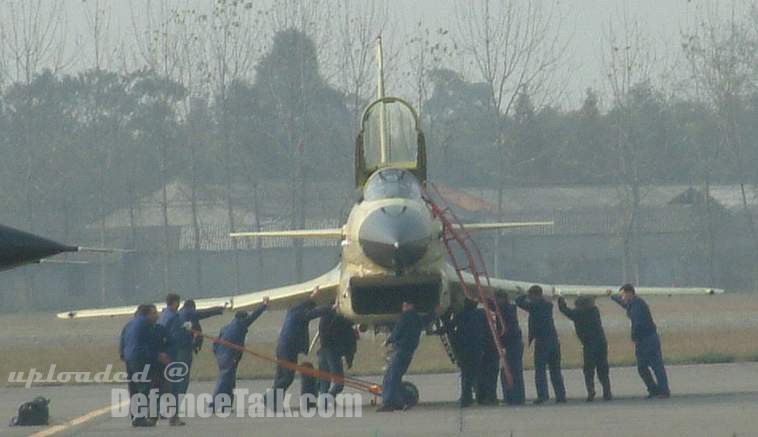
x=410 y=394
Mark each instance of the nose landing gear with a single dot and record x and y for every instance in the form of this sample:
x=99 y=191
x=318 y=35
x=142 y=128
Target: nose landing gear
x=410 y=394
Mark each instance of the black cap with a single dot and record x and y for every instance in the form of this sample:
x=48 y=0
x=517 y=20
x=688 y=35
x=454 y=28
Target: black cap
x=627 y=288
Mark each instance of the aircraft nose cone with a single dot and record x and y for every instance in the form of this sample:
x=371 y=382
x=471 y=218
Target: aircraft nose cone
x=19 y=247
x=395 y=236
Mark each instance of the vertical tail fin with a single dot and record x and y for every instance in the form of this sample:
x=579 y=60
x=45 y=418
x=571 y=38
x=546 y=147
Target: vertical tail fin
x=380 y=68
x=383 y=133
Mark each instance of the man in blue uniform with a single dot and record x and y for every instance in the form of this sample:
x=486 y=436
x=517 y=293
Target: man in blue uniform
x=190 y=313
x=294 y=339
x=228 y=358
x=513 y=343
x=140 y=349
x=338 y=340
x=470 y=337
x=175 y=334
x=403 y=340
x=547 y=347
x=647 y=344
x=189 y=320
x=589 y=329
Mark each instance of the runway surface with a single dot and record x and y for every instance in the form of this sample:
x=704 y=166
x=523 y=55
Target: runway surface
x=708 y=400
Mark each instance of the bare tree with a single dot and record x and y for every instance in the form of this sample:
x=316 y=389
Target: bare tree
x=32 y=37
x=722 y=52
x=98 y=19
x=510 y=45
x=98 y=23
x=194 y=75
x=629 y=61
x=426 y=50
x=233 y=33
x=158 y=47
x=311 y=19
x=358 y=25
x=315 y=18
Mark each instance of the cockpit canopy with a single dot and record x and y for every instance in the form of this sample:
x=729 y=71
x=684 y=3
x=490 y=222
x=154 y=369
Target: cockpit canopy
x=392 y=183
x=390 y=136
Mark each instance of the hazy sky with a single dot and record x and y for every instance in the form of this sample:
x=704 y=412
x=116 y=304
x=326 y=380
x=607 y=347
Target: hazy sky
x=585 y=26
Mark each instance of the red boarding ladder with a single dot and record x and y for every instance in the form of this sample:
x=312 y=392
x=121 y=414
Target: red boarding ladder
x=469 y=259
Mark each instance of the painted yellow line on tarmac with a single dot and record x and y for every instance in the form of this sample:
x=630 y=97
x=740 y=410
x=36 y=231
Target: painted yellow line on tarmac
x=79 y=420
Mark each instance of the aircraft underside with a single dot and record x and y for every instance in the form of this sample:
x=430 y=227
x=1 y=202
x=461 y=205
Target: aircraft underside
x=384 y=295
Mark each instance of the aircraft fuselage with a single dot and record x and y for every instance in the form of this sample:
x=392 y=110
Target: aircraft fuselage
x=391 y=252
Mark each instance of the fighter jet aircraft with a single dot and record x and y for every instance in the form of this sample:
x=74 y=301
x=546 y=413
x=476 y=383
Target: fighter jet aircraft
x=18 y=248
x=392 y=245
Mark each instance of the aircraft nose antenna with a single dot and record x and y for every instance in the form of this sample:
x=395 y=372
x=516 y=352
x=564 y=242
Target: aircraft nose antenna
x=395 y=236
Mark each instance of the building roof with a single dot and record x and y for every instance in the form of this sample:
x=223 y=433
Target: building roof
x=540 y=199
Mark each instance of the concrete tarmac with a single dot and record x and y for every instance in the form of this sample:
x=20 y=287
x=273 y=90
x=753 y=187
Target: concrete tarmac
x=708 y=400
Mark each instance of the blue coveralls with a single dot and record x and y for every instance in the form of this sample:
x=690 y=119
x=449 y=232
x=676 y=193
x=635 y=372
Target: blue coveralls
x=175 y=333
x=589 y=329
x=185 y=341
x=337 y=341
x=294 y=339
x=547 y=347
x=404 y=339
x=139 y=347
x=647 y=345
x=471 y=336
x=228 y=358
x=514 y=355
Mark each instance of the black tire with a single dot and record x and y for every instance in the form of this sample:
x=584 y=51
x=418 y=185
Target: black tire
x=410 y=394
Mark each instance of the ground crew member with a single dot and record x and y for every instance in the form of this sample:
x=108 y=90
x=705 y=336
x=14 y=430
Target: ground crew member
x=470 y=337
x=137 y=348
x=486 y=388
x=403 y=340
x=338 y=340
x=647 y=344
x=547 y=347
x=294 y=339
x=174 y=334
x=589 y=329
x=189 y=317
x=228 y=358
x=190 y=313
x=513 y=343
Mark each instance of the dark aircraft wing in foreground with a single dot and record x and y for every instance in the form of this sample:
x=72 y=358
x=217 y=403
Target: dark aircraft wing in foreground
x=18 y=248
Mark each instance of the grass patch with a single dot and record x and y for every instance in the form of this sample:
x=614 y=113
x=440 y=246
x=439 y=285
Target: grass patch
x=706 y=358
x=694 y=330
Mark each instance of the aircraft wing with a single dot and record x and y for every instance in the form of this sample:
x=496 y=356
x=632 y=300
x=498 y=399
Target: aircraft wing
x=475 y=227
x=512 y=288
x=284 y=297
x=129 y=310
x=299 y=233
x=280 y=298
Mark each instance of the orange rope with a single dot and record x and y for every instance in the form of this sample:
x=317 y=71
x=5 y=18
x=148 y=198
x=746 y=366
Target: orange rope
x=358 y=384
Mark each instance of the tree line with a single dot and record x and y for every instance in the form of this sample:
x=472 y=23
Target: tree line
x=236 y=94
